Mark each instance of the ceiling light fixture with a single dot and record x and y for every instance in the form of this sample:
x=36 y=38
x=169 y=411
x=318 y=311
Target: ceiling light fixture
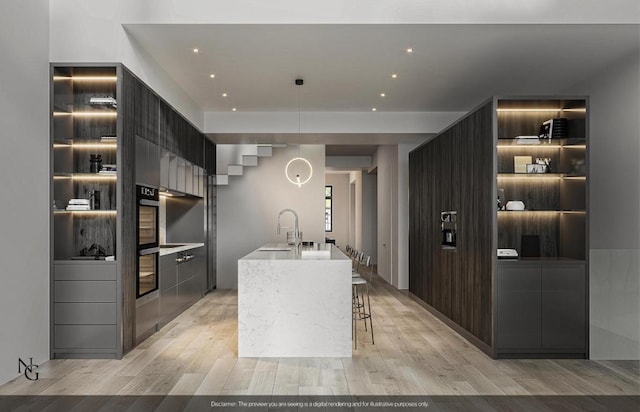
x=212 y=75
x=394 y=76
x=196 y=51
x=373 y=109
x=224 y=95
x=382 y=94
x=409 y=50
x=298 y=170
x=234 y=109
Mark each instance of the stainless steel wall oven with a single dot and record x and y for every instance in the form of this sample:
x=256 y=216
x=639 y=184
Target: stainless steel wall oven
x=147 y=236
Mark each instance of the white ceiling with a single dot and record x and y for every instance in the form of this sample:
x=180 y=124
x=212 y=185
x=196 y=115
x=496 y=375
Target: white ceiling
x=346 y=67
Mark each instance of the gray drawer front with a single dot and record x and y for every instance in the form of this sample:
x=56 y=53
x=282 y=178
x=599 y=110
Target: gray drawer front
x=187 y=270
x=563 y=306
x=85 y=271
x=168 y=277
x=147 y=316
x=518 y=306
x=85 y=291
x=169 y=303
x=85 y=336
x=168 y=260
x=189 y=291
x=85 y=313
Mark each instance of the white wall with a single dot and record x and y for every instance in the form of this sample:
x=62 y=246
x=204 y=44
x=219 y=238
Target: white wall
x=352 y=211
x=386 y=160
x=356 y=203
x=614 y=219
x=340 y=183
x=369 y=215
x=247 y=209
x=24 y=167
x=92 y=32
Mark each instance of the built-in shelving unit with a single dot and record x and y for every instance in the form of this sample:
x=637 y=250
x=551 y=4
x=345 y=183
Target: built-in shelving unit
x=541 y=298
x=86 y=303
x=560 y=192
x=81 y=129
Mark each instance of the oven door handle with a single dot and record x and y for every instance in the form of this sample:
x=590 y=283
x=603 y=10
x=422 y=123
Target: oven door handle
x=146 y=202
x=149 y=251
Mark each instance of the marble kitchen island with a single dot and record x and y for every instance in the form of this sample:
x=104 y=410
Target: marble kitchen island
x=291 y=304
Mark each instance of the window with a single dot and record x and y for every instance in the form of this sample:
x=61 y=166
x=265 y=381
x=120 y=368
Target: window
x=328 y=208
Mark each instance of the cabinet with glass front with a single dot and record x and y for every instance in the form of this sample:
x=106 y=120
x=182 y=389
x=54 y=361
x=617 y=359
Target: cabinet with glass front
x=84 y=167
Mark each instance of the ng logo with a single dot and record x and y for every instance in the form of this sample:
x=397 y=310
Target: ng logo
x=30 y=370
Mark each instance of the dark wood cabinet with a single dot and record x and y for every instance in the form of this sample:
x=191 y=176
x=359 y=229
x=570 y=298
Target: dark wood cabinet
x=518 y=305
x=541 y=308
x=147 y=163
x=146 y=113
x=563 y=305
x=531 y=307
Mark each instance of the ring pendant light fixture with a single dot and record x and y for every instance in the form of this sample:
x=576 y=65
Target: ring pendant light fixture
x=299 y=170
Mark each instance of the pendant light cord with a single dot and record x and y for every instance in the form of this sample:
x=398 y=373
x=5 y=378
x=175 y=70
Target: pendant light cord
x=299 y=121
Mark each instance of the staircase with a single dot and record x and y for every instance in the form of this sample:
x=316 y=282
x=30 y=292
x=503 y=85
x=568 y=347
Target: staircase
x=231 y=159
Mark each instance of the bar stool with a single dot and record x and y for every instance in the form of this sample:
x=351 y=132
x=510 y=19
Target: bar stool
x=360 y=287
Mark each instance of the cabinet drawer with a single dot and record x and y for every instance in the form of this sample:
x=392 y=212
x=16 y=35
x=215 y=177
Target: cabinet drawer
x=168 y=277
x=563 y=306
x=85 y=313
x=169 y=303
x=190 y=290
x=518 y=306
x=84 y=271
x=147 y=316
x=85 y=291
x=168 y=260
x=84 y=336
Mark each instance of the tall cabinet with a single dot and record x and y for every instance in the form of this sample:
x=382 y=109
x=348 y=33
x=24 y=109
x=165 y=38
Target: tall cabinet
x=541 y=298
x=86 y=194
x=103 y=119
x=498 y=238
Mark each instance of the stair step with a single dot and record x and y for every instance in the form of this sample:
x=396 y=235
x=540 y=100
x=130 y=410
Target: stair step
x=222 y=180
x=265 y=151
x=234 y=170
x=249 y=160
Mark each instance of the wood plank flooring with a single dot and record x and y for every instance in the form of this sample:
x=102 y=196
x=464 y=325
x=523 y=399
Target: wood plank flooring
x=414 y=354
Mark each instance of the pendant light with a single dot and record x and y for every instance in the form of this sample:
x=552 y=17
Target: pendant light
x=298 y=169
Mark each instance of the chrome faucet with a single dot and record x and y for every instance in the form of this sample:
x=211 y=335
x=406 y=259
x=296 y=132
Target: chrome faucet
x=296 y=230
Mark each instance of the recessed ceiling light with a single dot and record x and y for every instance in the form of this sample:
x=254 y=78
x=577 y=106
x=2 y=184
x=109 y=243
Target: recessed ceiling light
x=394 y=76
x=233 y=110
x=409 y=50
x=196 y=50
x=373 y=109
x=382 y=95
x=224 y=95
x=212 y=75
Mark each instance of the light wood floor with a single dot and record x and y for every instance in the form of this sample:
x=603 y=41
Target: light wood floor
x=414 y=354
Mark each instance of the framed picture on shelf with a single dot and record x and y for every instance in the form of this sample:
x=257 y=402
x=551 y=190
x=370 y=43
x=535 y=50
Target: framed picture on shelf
x=520 y=163
x=536 y=168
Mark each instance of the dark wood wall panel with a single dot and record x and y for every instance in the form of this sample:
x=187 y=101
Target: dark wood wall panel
x=209 y=156
x=127 y=210
x=147 y=113
x=454 y=171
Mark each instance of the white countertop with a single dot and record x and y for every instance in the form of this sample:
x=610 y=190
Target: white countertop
x=181 y=248
x=270 y=252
